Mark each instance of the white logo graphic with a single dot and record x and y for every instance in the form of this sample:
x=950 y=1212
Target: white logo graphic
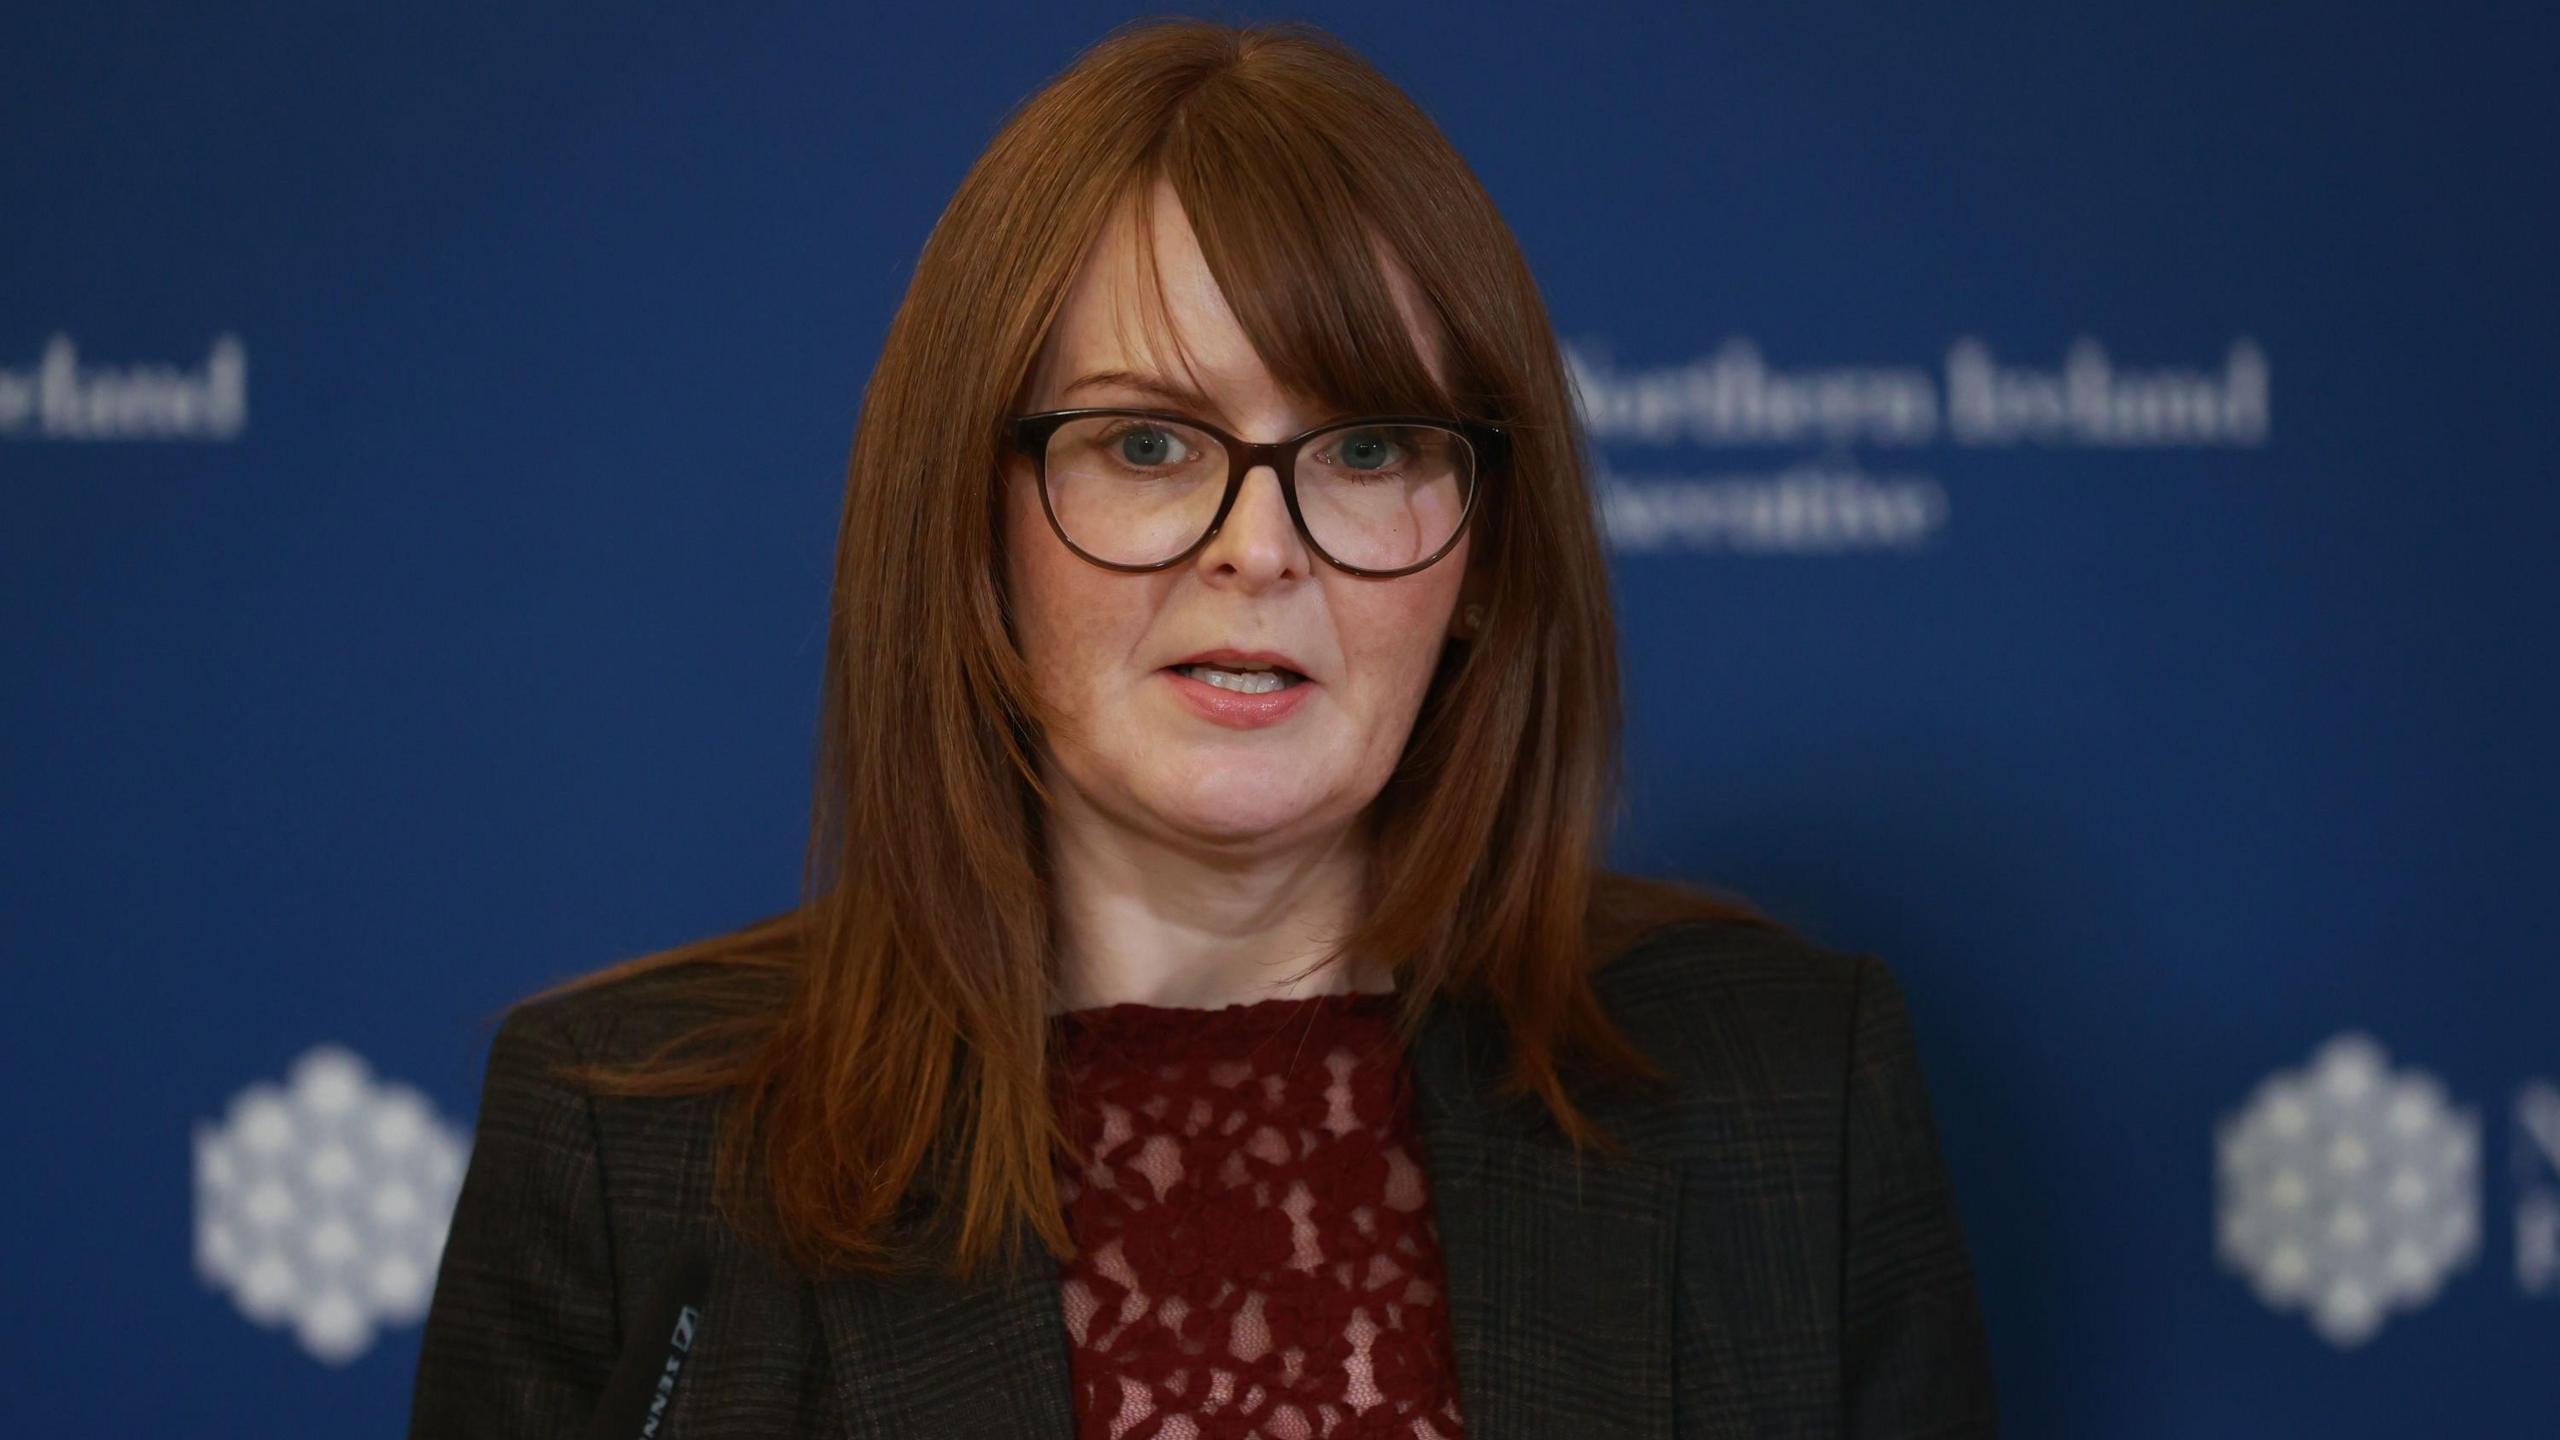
x=2348 y=1190
x=2537 y=1167
x=324 y=1202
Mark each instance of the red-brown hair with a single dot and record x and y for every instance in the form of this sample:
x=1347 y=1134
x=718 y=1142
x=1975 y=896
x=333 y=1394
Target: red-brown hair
x=912 y=989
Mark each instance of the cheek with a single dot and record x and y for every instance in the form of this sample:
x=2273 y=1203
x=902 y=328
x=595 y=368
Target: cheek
x=1399 y=629
x=1034 y=579
x=1067 y=615
x=1023 y=529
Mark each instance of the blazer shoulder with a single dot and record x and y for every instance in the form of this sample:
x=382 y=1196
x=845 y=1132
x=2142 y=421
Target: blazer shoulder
x=621 y=1019
x=656 y=1152
x=1743 y=1008
x=1689 y=965
x=572 y=1205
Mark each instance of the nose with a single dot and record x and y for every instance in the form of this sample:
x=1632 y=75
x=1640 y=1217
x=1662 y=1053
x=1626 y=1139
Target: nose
x=1257 y=540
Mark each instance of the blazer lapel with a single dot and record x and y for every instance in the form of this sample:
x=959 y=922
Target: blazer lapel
x=1559 y=1279
x=1559 y=1283
x=921 y=1356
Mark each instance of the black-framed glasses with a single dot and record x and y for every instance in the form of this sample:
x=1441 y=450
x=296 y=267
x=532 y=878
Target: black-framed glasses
x=1137 y=490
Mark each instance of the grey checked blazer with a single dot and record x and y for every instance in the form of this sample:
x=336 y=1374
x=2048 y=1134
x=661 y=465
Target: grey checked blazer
x=1778 y=1256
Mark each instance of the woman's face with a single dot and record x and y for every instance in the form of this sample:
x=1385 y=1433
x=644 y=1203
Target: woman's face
x=1135 y=741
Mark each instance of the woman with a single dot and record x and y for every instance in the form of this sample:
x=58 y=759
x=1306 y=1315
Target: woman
x=1207 y=1014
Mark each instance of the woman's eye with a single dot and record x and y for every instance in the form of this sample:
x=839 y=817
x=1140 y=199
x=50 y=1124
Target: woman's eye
x=1147 y=445
x=1367 y=450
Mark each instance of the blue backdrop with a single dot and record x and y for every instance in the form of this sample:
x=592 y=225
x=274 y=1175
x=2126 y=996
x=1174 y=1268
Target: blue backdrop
x=2082 y=487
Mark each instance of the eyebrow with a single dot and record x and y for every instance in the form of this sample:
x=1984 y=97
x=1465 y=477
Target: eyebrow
x=1179 y=395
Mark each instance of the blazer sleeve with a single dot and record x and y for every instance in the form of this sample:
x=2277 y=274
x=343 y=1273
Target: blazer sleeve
x=1915 y=1355
x=522 y=1334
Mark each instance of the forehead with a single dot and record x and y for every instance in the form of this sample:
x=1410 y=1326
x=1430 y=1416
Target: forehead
x=1113 y=322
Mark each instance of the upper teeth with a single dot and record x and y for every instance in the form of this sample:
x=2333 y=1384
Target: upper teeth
x=1249 y=682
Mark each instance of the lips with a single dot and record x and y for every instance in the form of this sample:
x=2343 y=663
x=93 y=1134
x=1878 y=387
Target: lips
x=1253 y=709
x=1245 y=660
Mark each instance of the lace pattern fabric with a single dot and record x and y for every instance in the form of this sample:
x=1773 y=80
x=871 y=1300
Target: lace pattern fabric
x=1256 y=1250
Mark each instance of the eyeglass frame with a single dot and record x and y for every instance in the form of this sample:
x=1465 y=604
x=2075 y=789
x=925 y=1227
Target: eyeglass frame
x=1487 y=447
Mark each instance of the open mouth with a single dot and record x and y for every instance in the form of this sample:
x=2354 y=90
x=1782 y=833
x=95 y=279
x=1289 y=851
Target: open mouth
x=1263 y=680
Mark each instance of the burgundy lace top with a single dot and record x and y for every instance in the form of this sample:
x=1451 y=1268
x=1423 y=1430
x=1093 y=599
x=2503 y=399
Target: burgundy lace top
x=1256 y=1251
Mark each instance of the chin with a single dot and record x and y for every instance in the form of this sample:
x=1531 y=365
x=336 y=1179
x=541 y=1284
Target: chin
x=1244 y=800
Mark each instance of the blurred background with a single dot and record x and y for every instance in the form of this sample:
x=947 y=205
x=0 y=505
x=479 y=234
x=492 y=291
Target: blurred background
x=2081 y=481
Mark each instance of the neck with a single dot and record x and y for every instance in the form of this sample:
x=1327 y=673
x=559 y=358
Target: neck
x=1159 y=920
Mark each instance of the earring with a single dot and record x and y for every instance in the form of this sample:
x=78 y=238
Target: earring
x=1474 y=618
